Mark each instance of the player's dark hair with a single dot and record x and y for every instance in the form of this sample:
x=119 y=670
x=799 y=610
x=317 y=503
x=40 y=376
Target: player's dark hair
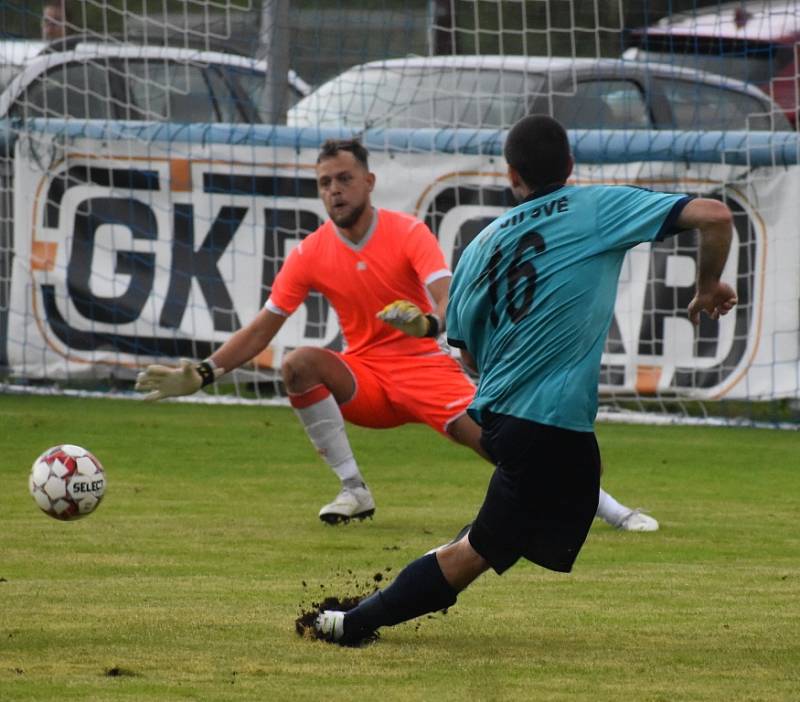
x=332 y=147
x=538 y=149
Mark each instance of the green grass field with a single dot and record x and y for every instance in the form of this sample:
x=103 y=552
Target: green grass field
x=185 y=584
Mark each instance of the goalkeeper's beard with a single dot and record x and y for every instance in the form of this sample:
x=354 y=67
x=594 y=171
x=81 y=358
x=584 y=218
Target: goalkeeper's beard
x=348 y=219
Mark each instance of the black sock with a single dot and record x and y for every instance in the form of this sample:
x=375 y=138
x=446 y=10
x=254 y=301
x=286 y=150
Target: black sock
x=418 y=589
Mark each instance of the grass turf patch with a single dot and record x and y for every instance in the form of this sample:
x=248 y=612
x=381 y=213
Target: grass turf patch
x=186 y=583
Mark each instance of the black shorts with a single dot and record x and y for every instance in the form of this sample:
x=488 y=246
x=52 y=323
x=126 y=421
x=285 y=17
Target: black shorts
x=542 y=496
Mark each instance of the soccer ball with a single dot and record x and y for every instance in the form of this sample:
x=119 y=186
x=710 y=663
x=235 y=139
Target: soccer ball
x=67 y=482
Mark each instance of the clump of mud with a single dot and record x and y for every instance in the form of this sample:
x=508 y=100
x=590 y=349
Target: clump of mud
x=304 y=624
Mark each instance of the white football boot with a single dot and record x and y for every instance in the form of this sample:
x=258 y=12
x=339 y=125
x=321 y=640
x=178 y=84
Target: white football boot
x=636 y=520
x=350 y=503
x=330 y=624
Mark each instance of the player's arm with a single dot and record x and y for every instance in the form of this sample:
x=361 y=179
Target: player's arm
x=439 y=290
x=714 y=222
x=164 y=381
x=248 y=341
x=410 y=319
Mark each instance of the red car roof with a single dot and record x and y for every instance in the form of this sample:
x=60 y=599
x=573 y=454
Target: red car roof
x=768 y=21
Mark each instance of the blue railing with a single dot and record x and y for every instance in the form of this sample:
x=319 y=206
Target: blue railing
x=754 y=149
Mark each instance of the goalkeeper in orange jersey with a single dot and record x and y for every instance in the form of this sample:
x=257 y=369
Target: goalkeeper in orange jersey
x=386 y=277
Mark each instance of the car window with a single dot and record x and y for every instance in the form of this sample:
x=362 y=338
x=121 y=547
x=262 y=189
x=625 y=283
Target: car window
x=169 y=91
x=752 y=62
x=79 y=90
x=603 y=104
x=227 y=102
x=252 y=84
x=412 y=97
x=703 y=106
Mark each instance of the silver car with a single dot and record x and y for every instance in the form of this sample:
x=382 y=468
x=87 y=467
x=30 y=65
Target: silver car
x=495 y=91
x=751 y=40
x=14 y=54
x=91 y=80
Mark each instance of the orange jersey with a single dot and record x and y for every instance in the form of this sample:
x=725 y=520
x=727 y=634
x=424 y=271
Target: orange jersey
x=395 y=260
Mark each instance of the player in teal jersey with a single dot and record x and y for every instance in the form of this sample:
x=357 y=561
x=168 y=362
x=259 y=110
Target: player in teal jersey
x=533 y=296
x=530 y=306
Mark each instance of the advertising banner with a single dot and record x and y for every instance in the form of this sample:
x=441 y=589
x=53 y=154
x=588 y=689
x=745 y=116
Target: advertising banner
x=152 y=253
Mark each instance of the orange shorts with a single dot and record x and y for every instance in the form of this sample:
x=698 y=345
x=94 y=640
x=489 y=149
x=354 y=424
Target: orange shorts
x=395 y=390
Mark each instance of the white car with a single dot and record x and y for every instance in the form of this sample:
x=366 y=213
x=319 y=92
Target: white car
x=14 y=54
x=495 y=91
x=92 y=80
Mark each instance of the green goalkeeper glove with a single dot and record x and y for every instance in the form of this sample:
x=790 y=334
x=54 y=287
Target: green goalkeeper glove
x=164 y=381
x=409 y=319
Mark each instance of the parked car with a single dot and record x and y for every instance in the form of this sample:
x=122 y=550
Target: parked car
x=756 y=42
x=14 y=54
x=495 y=91
x=91 y=80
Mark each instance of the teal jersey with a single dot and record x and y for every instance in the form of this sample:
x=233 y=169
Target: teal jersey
x=533 y=295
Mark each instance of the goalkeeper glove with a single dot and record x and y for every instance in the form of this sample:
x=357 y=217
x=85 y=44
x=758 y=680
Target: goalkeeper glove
x=409 y=319
x=164 y=381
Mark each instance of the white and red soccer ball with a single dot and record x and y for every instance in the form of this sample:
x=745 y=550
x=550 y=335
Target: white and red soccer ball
x=67 y=482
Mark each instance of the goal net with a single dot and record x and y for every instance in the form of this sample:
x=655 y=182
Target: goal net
x=157 y=166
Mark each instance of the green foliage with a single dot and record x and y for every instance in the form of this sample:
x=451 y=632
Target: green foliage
x=185 y=583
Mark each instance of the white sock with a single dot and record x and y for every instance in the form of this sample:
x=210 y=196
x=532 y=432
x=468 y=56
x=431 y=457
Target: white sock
x=322 y=419
x=611 y=511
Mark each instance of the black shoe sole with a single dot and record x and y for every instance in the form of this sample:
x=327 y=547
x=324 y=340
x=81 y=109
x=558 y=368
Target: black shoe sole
x=334 y=519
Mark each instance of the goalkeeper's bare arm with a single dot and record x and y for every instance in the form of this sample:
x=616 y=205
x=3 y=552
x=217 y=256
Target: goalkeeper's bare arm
x=165 y=381
x=248 y=341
